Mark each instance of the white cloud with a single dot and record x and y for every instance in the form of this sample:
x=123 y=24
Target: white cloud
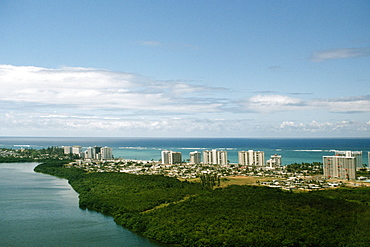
x=86 y=88
x=321 y=56
x=344 y=104
x=289 y=124
x=87 y=101
x=324 y=128
x=66 y=77
x=278 y=103
x=272 y=103
x=65 y=124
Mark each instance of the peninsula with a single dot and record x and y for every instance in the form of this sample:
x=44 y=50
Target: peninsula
x=182 y=213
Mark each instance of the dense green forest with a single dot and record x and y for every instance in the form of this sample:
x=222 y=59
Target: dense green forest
x=8 y=155
x=188 y=214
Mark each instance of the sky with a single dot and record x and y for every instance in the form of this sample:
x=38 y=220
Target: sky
x=194 y=68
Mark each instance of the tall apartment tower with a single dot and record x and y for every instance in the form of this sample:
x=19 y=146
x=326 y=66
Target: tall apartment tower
x=67 y=149
x=194 y=157
x=97 y=152
x=165 y=155
x=90 y=153
x=175 y=158
x=215 y=157
x=251 y=158
x=77 y=150
x=106 y=153
x=170 y=157
x=274 y=161
x=355 y=154
x=340 y=166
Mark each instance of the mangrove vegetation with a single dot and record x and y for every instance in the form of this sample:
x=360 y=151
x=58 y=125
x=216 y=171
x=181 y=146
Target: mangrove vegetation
x=182 y=213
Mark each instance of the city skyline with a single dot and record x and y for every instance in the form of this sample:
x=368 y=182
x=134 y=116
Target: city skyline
x=185 y=69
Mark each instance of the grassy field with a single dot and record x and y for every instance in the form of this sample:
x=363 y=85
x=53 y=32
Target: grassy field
x=250 y=180
x=238 y=180
x=243 y=180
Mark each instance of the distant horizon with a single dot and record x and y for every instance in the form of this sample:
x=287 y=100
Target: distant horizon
x=147 y=148
x=171 y=137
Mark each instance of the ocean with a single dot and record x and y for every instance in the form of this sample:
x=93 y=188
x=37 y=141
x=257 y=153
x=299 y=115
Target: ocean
x=291 y=150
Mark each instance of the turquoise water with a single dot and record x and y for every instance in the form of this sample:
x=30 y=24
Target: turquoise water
x=292 y=150
x=42 y=210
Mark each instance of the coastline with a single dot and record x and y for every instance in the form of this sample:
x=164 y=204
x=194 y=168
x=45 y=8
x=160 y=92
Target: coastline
x=150 y=148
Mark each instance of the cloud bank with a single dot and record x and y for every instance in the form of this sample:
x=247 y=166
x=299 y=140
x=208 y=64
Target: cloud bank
x=74 y=101
x=94 y=89
x=325 y=127
x=281 y=103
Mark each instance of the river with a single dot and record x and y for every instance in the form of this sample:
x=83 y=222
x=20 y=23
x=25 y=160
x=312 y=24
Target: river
x=42 y=210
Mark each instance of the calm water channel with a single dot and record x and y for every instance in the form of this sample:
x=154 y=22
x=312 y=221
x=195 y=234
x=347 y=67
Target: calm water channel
x=42 y=210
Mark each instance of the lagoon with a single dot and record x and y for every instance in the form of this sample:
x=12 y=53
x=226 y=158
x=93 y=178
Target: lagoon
x=42 y=210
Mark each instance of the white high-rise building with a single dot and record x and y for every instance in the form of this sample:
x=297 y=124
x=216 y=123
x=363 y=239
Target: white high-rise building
x=194 y=157
x=251 y=158
x=274 y=161
x=90 y=153
x=170 y=157
x=165 y=155
x=215 y=157
x=106 y=153
x=355 y=154
x=67 y=149
x=77 y=150
x=341 y=167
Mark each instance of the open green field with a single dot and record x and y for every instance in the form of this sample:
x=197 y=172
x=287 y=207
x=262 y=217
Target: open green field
x=238 y=180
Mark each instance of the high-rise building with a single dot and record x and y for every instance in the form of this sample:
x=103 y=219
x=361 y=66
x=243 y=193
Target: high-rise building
x=67 y=149
x=356 y=154
x=340 y=166
x=90 y=153
x=251 y=158
x=97 y=152
x=194 y=157
x=106 y=153
x=170 y=157
x=165 y=155
x=77 y=150
x=274 y=161
x=215 y=157
x=94 y=153
x=175 y=158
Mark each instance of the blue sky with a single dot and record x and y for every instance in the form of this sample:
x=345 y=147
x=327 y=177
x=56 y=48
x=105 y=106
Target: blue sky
x=185 y=68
